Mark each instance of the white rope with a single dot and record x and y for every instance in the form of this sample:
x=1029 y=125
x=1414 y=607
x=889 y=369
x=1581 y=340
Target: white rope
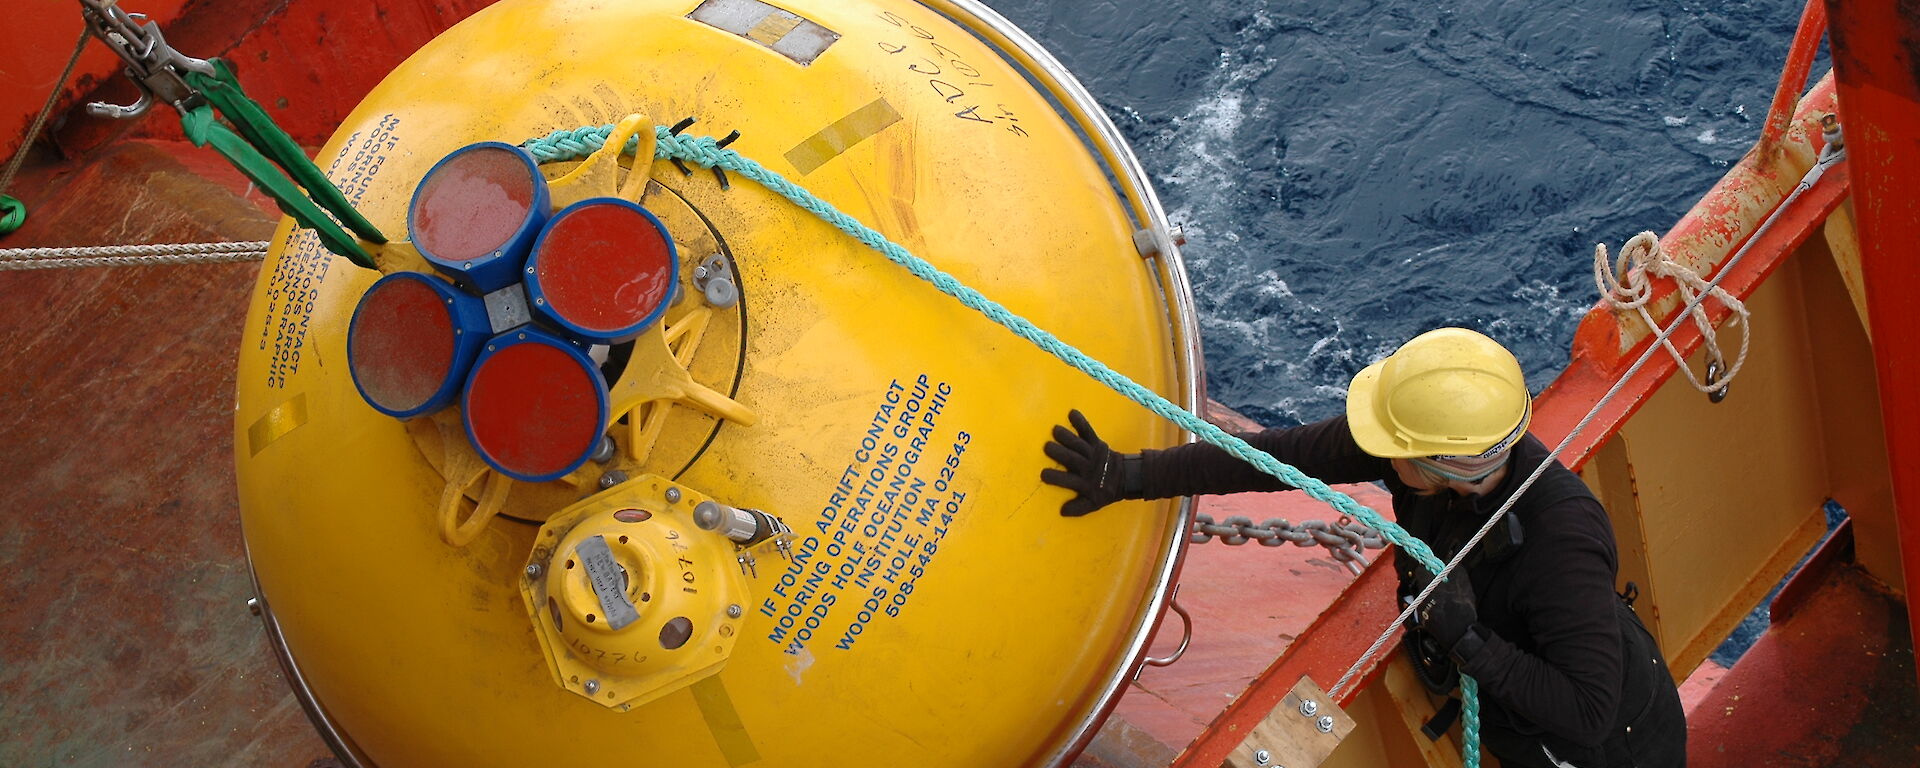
x=1828 y=156
x=13 y=259
x=1642 y=256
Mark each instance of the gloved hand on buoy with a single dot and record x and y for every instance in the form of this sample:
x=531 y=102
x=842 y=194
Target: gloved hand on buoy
x=1095 y=473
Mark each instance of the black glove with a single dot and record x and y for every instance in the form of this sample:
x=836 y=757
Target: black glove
x=1449 y=616
x=1096 y=474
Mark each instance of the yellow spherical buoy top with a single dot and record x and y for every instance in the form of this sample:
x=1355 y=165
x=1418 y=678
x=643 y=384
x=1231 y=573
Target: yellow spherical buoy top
x=814 y=533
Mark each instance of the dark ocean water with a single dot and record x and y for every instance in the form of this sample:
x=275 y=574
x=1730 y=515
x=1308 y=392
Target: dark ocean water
x=1351 y=174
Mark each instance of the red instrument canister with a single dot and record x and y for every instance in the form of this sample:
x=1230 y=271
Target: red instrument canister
x=603 y=270
x=535 y=405
x=412 y=339
x=476 y=213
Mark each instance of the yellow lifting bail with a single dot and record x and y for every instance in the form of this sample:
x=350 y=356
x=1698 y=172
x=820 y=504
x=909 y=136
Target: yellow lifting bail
x=931 y=580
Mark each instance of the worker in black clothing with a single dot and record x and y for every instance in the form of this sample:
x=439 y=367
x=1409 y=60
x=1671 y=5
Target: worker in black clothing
x=1568 y=675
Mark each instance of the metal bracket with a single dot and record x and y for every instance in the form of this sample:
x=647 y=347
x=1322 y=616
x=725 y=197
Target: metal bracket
x=1144 y=240
x=714 y=279
x=152 y=64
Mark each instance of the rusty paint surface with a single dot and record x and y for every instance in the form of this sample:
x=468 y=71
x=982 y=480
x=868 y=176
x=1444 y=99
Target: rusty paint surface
x=1877 y=59
x=125 y=640
x=34 y=46
x=307 y=63
x=1793 y=76
x=1713 y=230
x=1832 y=684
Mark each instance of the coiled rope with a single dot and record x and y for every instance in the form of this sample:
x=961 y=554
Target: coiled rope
x=1624 y=285
x=13 y=259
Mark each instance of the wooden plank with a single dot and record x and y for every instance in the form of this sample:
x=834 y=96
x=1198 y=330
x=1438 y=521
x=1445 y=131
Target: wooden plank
x=1300 y=732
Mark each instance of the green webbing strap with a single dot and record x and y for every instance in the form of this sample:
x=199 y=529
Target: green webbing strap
x=13 y=213
x=705 y=151
x=256 y=146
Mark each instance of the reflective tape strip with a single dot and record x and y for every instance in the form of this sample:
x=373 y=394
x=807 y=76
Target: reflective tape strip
x=772 y=27
x=781 y=31
x=723 y=721
x=285 y=417
x=816 y=150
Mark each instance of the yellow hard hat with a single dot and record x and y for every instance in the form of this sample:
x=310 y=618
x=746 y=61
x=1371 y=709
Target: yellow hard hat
x=1446 y=392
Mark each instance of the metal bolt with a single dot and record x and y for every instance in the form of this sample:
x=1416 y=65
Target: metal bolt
x=591 y=686
x=673 y=495
x=612 y=479
x=733 y=611
x=1309 y=707
x=1325 y=723
x=253 y=605
x=1261 y=757
x=533 y=570
x=603 y=452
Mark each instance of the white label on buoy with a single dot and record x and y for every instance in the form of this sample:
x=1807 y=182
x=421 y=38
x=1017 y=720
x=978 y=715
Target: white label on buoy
x=609 y=582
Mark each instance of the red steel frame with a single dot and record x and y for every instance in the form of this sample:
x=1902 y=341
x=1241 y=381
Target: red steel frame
x=1876 y=59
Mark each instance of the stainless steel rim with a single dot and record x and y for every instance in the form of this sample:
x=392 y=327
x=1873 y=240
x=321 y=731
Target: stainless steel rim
x=343 y=748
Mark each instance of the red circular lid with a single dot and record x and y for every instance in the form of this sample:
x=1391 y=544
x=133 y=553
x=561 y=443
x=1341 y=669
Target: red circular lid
x=470 y=204
x=535 y=408
x=604 y=267
x=401 y=348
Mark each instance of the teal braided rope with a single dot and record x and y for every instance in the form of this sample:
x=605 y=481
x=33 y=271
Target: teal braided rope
x=703 y=150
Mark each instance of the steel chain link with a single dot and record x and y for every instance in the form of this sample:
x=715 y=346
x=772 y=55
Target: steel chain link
x=1343 y=539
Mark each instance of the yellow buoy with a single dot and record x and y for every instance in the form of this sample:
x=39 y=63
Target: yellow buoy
x=819 y=537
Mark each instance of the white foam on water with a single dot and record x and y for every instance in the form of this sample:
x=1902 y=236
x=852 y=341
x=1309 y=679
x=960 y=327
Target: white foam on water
x=1707 y=137
x=1673 y=122
x=1272 y=285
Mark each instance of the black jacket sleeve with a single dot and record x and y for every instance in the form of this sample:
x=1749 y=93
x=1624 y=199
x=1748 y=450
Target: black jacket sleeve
x=1323 y=449
x=1568 y=683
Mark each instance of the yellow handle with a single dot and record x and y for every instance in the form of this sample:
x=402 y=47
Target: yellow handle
x=464 y=470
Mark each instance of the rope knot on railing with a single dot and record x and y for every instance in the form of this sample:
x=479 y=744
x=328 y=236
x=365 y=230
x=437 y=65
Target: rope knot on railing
x=1626 y=284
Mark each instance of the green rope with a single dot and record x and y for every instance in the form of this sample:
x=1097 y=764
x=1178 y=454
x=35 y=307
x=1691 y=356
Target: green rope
x=703 y=150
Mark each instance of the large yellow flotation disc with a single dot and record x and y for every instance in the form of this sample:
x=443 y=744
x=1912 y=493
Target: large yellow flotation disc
x=819 y=537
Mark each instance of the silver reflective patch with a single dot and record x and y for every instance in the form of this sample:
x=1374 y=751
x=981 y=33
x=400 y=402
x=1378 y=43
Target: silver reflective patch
x=507 y=308
x=781 y=31
x=609 y=582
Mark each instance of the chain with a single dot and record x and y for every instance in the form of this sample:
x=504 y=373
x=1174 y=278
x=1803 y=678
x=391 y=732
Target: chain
x=1343 y=539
